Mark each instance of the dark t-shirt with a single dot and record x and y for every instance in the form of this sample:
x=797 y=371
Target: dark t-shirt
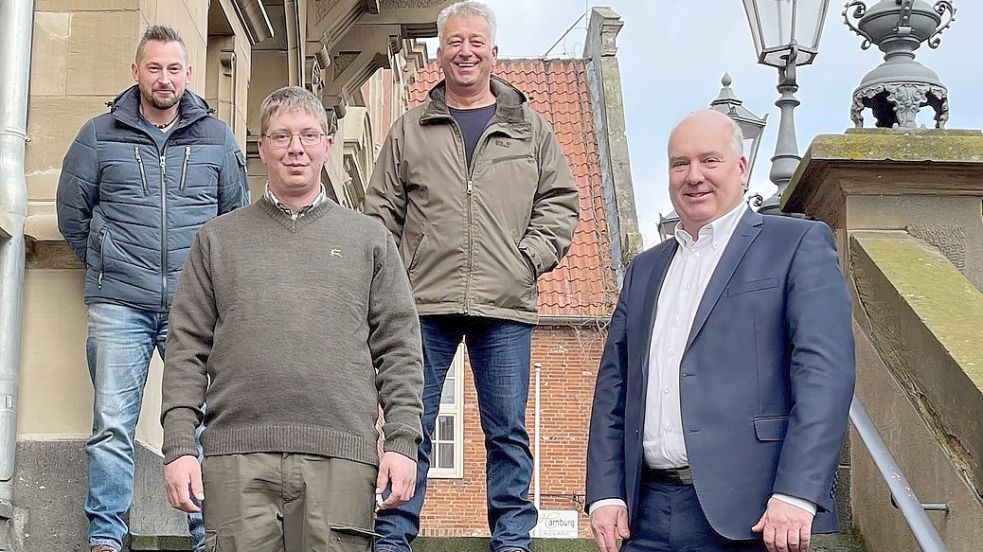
x=158 y=135
x=472 y=123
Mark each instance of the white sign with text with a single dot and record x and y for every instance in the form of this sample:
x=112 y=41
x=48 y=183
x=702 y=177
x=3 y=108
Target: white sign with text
x=558 y=524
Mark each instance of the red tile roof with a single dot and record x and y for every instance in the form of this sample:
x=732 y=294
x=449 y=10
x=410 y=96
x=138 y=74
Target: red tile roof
x=583 y=284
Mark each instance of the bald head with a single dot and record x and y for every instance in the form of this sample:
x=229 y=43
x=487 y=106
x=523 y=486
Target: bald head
x=715 y=120
x=707 y=169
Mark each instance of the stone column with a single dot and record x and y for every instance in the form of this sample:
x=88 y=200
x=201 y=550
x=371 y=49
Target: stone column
x=906 y=209
x=604 y=80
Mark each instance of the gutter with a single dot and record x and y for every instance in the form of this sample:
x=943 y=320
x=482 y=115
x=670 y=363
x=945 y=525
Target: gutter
x=16 y=29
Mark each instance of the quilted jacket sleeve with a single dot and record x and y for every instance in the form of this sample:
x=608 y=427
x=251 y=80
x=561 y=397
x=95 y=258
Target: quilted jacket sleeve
x=78 y=190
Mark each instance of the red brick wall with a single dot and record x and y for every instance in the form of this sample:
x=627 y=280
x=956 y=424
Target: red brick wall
x=569 y=355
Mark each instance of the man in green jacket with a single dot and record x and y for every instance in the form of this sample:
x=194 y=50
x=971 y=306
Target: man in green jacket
x=481 y=201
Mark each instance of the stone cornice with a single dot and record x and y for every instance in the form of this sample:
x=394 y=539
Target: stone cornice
x=252 y=15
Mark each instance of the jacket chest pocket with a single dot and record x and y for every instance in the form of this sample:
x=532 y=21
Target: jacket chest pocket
x=515 y=157
x=143 y=169
x=195 y=172
x=513 y=167
x=757 y=284
x=186 y=157
x=507 y=183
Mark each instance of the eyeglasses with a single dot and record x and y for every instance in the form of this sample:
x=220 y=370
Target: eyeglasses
x=307 y=138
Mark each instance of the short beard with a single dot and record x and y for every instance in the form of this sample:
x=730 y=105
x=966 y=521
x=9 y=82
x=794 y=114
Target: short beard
x=162 y=105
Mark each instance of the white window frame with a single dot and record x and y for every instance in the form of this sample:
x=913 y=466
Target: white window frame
x=456 y=411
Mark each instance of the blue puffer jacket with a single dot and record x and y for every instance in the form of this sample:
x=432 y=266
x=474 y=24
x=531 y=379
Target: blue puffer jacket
x=130 y=210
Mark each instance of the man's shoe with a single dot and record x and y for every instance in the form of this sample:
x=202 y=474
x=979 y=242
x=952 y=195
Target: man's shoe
x=512 y=549
x=103 y=548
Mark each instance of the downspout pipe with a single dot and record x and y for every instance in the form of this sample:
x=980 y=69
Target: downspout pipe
x=16 y=29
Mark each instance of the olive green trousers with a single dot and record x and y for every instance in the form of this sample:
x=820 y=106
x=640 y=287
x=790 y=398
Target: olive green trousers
x=265 y=502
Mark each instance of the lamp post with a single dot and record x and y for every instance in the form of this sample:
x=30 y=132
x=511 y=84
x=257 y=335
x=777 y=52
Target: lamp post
x=786 y=35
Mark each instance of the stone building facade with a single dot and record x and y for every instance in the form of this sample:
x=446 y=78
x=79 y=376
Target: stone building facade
x=359 y=56
x=362 y=57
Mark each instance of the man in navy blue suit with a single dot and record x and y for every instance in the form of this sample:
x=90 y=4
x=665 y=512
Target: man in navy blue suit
x=723 y=391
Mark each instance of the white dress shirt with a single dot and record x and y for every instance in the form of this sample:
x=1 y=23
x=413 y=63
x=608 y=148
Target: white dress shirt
x=682 y=291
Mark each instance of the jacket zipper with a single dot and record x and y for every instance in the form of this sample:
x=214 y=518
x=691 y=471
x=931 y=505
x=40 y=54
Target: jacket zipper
x=143 y=172
x=163 y=193
x=469 y=190
x=102 y=254
x=184 y=169
x=163 y=228
x=467 y=283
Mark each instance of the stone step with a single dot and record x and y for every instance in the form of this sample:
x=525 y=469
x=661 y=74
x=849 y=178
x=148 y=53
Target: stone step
x=843 y=542
x=847 y=541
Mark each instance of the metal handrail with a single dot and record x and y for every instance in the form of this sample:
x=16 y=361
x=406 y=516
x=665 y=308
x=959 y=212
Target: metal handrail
x=901 y=494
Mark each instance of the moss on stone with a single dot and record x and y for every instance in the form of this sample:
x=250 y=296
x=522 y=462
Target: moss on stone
x=941 y=146
x=870 y=145
x=949 y=305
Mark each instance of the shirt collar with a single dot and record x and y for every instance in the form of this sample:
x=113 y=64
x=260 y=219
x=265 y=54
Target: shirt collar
x=271 y=197
x=716 y=233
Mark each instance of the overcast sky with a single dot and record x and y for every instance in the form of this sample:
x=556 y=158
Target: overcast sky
x=672 y=54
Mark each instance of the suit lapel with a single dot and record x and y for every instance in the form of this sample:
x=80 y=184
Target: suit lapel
x=747 y=229
x=650 y=305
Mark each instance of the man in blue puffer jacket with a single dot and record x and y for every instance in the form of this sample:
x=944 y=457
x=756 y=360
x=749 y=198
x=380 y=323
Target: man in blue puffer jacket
x=135 y=186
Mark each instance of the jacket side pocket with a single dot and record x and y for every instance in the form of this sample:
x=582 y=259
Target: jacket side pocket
x=103 y=235
x=771 y=428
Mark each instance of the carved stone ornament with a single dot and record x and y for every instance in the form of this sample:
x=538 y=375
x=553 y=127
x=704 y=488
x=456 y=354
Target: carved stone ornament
x=896 y=89
x=315 y=76
x=896 y=105
x=342 y=60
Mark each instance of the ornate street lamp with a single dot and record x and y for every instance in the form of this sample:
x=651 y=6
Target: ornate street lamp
x=752 y=126
x=667 y=225
x=786 y=34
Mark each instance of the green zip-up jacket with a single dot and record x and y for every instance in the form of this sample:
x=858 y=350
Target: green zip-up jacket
x=474 y=242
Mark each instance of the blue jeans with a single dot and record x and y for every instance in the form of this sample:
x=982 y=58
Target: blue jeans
x=499 y=352
x=118 y=350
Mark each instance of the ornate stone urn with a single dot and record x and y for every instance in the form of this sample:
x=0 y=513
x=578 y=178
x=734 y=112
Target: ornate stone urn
x=898 y=88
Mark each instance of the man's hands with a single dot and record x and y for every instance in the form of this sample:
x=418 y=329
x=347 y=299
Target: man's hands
x=609 y=523
x=182 y=480
x=398 y=472
x=784 y=527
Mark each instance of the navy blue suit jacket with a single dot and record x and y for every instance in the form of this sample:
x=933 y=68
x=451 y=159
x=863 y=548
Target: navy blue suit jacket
x=765 y=382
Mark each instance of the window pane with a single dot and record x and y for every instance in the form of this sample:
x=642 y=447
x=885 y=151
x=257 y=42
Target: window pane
x=776 y=22
x=445 y=428
x=447 y=394
x=434 y=457
x=808 y=17
x=445 y=456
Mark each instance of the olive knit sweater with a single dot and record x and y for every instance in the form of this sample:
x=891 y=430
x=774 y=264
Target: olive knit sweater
x=298 y=329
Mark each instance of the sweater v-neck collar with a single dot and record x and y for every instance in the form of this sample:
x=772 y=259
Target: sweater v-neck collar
x=295 y=225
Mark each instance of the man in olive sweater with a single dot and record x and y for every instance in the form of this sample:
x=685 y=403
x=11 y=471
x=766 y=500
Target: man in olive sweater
x=293 y=320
